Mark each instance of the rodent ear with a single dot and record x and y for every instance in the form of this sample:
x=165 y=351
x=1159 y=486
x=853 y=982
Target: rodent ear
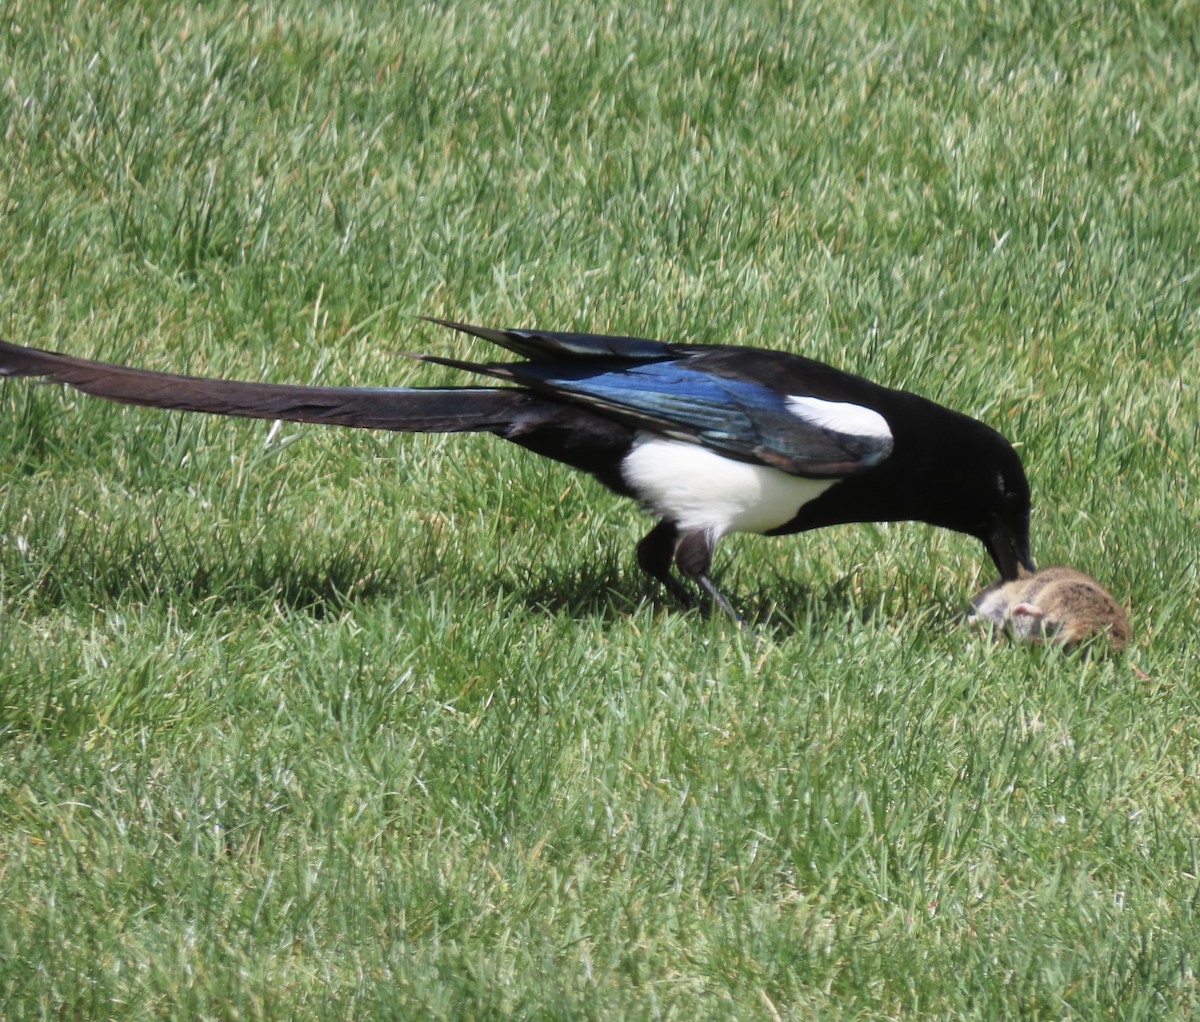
x=1028 y=610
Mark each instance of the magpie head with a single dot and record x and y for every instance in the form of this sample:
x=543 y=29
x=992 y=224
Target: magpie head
x=1000 y=512
x=976 y=485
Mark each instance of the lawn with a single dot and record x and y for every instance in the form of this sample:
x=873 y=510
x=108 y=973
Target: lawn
x=303 y=723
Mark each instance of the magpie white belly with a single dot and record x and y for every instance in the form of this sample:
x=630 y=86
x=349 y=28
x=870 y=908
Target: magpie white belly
x=699 y=489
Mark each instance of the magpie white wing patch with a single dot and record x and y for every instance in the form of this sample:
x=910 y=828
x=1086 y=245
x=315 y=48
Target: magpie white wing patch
x=842 y=418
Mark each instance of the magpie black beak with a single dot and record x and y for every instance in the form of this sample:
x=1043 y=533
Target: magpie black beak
x=1010 y=551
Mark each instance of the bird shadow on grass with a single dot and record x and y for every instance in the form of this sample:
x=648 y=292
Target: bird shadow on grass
x=594 y=588
x=611 y=589
x=324 y=582
x=150 y=573
x=847 y=604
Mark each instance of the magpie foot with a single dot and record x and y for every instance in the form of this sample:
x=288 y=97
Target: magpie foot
x=715 y=597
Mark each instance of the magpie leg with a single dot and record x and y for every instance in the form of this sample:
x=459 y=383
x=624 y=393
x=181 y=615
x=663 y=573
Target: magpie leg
x=654 y=555
x=693 y=555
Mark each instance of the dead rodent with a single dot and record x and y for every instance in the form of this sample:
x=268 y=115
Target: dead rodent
x=1059 y=605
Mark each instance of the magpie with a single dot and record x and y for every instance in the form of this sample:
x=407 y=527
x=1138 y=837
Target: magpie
x=710 y=439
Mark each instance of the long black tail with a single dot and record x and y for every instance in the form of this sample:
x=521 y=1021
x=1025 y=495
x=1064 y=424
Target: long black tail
x=576 y=436
x=405 y=409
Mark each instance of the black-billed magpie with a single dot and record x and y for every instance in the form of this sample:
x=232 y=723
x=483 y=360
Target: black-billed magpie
x=709 y=438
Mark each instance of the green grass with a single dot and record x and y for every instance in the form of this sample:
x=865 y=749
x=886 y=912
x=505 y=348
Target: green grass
x=316 y=725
